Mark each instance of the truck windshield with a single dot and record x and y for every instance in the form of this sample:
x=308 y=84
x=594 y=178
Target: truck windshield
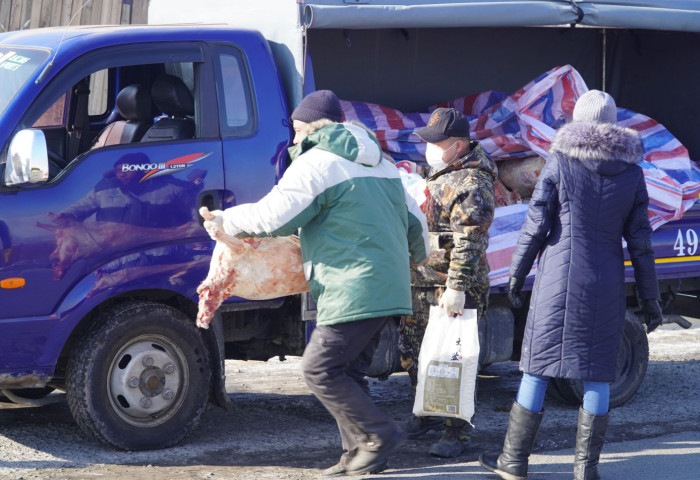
x=17 y=64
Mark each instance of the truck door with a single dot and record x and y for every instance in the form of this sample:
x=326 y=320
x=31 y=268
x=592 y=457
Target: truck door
x=254 y=122
x=121 y=207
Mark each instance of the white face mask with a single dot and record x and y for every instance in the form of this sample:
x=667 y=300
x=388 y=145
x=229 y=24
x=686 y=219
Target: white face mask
x=434 y=156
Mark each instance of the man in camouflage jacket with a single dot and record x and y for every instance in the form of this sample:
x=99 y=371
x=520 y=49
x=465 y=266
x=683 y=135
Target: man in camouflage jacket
x=459 y=210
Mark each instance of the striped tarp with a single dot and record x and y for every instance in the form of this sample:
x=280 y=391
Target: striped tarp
x=522 y=125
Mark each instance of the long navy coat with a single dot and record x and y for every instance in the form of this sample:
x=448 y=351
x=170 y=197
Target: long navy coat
x=590 y=195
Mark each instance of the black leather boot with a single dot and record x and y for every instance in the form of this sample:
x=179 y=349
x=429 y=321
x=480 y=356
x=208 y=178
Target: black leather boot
x=511 y=463
x=416 y=427
x=590 y=437
x=455 y=439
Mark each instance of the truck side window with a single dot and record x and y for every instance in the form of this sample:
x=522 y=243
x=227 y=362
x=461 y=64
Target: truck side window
x=99 y=93
x=236 y=118
x=53 y=117
x=234 y=94
x=184 y=71
x=79 y=101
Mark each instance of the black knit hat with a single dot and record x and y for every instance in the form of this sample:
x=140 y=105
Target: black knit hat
x=317 y=105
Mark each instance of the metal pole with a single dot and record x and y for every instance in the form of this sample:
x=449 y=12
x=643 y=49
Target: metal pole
x=605 y=51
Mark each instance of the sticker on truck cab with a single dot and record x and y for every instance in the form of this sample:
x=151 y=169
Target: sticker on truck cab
x=157 y=169
x=686 y=242
x=673 y=246
x=12 y=61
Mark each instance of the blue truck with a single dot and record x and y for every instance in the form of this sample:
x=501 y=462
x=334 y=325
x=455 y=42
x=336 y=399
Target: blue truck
x=112 y=138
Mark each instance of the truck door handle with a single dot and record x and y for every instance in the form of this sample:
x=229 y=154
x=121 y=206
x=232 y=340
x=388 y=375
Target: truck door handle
x=210 y=199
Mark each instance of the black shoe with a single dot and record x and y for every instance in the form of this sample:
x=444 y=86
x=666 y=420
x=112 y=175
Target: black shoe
x=416 y=427
x=340 y=468
x=370 y=461
x=452 y=443
x=337 y=470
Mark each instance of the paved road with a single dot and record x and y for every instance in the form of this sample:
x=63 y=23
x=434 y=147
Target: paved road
x=278 y=430
x=668 y=457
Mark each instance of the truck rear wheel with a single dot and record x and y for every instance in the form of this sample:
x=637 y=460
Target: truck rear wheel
x=631 y=368
x=139 y=379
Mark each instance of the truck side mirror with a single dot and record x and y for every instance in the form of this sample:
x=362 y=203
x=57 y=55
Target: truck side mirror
x=27 y=158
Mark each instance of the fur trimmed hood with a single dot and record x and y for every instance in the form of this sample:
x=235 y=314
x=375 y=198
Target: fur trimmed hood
x=588 y=141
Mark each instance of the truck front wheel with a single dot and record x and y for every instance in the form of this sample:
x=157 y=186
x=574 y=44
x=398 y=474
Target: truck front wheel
x=139 y=379
x=631 y=368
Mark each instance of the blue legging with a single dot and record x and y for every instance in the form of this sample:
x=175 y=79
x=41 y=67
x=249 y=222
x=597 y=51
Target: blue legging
x=596 y=395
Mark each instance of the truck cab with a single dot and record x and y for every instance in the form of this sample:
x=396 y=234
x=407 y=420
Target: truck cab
x=112 y=138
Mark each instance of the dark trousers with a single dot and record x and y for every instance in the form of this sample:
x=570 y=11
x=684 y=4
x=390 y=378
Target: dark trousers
x=334 y=365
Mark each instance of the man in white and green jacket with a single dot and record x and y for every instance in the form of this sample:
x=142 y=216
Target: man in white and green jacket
x=359 y=232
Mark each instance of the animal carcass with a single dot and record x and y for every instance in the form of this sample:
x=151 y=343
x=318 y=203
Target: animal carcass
x=521 y=175
x=251 y=268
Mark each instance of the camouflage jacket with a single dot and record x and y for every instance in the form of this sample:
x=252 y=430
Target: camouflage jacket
x=459 y=209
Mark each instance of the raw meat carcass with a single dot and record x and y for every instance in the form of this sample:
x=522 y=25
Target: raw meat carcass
x=504 y=196
x=252 y=268
x=521 y=175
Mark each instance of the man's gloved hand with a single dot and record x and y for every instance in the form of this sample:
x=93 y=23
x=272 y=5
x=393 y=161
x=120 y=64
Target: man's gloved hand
x=213 y=222
x=515 y=288
x=651 y=313
x=453 y=302
x=216 y=225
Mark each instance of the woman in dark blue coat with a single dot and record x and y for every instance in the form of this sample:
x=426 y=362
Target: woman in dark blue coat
x=591 y=194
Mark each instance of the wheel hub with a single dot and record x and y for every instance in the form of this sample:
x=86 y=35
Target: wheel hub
x=152 y=381
x=145 y=380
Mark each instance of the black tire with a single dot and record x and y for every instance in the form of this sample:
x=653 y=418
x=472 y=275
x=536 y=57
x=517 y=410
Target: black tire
x=139 y=379
x=631 y=368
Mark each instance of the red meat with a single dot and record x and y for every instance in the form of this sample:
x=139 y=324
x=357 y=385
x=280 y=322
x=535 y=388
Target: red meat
x=250 y=268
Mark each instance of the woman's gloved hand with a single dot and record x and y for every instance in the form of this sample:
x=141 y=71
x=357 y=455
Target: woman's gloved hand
x=515 y=288
x=651 y=311
x=453 y=302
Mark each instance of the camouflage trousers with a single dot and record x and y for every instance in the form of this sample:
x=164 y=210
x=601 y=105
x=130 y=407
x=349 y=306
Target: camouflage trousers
x=413 y=329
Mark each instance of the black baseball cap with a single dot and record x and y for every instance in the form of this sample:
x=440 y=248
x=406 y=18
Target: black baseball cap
x=443 y=124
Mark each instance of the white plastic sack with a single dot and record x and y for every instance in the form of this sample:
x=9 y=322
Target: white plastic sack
x=447 y=366
x=414 y=185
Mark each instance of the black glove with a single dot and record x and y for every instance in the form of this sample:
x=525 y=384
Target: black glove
x=651 y=313
x=515 y=288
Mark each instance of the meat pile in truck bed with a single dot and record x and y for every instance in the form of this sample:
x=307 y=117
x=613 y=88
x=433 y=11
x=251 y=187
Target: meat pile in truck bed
x=250 y=268
x=521 y=175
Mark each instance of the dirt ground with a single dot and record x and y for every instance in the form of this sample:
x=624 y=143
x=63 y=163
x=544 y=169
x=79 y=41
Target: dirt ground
x=278 y=430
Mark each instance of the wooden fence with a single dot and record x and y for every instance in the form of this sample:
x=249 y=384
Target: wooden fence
x=23 y=14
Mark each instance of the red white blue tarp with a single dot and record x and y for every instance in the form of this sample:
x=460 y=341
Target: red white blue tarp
x=523 y=124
